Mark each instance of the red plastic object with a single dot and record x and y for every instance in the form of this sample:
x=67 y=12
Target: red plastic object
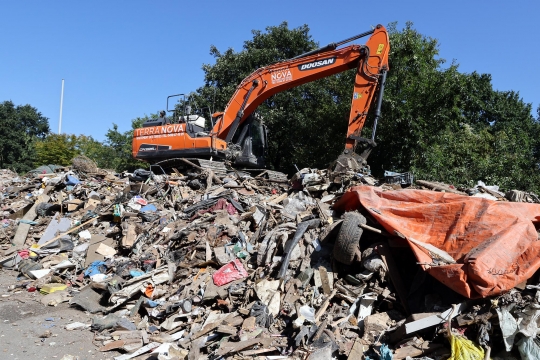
x=25 y=254
x=32 y=289
x=230 y=272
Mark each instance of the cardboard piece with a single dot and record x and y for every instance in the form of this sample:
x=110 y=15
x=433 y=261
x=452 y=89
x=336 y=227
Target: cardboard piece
x=91 y=254
x=130 y=236
x=105 y=250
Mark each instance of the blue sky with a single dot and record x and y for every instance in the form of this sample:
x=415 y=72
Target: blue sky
x=121 y=59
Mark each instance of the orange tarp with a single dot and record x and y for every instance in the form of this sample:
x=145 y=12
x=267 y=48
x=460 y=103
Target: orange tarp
x=495 y=244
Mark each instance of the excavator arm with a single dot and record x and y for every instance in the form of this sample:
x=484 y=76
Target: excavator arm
x=370 y=60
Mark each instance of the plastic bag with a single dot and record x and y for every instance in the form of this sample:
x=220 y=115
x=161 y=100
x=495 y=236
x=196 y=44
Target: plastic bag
x=262 y=315
x=509 y=327
x=529 y=348
x=386 y=353
x=230 y=272
x=464 y=349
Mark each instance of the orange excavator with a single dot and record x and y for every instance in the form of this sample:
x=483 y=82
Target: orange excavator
x=239 y=136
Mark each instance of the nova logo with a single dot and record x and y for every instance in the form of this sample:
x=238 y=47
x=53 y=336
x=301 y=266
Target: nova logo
x=158 y=130
x=317 y=64
x=281 y=76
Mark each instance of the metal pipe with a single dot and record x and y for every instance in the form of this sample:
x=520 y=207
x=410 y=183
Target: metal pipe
x=379 y=104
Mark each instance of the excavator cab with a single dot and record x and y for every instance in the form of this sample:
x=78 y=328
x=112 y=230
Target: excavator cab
x=251 y=142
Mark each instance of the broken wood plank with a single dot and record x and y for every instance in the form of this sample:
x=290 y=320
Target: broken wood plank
x=322 y=211
x=141 y=351
x=433 y=320
x=279 y=199
x=225 y=329
x=130 y=236
x=370 y=228
x=491 y=192
x=22 y=229
x=416 y=350
x=357 y=351
x=439 y=187
x=67 y=232
x=324 y=305
x=325 y=280
x=230 y=347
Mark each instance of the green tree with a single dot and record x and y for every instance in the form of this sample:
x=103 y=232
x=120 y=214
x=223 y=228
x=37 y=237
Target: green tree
x=114 y=153
x=56 y=149
x=449 y=126
x=20 y=127
x=119 y=146
x=60 y=149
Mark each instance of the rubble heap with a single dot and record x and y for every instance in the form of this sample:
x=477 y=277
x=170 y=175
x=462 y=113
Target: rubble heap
x=207 y=264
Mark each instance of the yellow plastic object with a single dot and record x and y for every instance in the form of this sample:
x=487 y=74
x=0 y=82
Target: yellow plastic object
x=50 y=288
x=464 y=349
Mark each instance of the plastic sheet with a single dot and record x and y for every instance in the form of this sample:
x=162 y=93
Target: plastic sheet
x=230 y=272
x=494 y=243
x=72 y=180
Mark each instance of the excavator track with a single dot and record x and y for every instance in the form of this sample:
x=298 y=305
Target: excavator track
x=219 y=168
x=183 y=164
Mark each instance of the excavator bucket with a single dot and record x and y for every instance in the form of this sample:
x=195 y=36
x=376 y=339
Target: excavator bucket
x=351 y=161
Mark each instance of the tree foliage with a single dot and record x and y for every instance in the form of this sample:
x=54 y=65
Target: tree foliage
x=437 y=122
x=451 y=126
x=114 y=153
x=119 y=146
x=56 y=149
x=20 y=127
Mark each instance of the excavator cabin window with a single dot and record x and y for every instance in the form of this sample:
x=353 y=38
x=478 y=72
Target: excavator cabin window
x=256 y=132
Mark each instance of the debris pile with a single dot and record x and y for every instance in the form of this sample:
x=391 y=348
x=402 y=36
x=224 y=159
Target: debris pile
x=228 y=264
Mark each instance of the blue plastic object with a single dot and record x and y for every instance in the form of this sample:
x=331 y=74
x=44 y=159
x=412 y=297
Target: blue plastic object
x=136 y=273
x=72 y=180
x=386 y=353
x=149 y=207
x=151 y=303
x=97 y=267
